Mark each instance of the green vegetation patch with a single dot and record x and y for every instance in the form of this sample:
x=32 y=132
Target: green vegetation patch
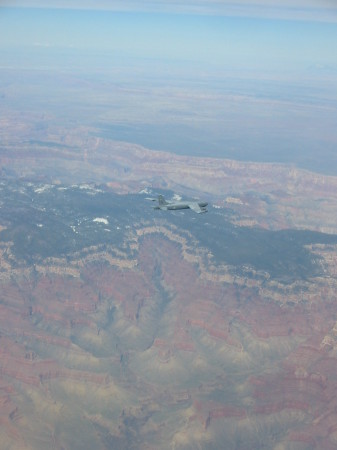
x=48 y=220
x=283 y=254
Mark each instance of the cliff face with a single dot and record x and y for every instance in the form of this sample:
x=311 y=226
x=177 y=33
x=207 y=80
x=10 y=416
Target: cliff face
x=124 y=328
x=275 y=196
x=166 y=353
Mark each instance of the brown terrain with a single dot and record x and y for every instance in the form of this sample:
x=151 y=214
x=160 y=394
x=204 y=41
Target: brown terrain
x=167 y=350
x=221 y=358
x=273 y=196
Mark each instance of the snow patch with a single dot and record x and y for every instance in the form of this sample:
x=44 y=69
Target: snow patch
x=101 y=220
x=145 y=191
x=42 y=188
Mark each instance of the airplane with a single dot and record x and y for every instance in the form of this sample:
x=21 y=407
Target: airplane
x=198 y=207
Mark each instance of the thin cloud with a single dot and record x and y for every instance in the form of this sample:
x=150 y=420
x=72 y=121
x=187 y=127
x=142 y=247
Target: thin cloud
x=307 y=10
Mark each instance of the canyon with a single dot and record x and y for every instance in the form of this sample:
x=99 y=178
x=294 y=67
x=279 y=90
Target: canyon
x=151 y=344
x=124 y=327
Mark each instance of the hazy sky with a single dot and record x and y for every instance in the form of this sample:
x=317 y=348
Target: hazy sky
x=250 y=33
x=316 y=10
x=253 y=79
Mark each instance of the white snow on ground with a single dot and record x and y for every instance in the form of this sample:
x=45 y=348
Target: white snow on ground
x=101 y=220
x=42 y=188
x=145 y=191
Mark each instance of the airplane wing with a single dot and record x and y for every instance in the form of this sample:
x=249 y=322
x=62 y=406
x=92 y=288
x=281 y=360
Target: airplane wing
x=196 y=208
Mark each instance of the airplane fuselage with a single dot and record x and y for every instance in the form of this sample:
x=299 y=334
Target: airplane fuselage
x=181 y=205
x=198 y=207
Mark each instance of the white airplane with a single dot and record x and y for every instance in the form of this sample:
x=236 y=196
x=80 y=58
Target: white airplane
x=198 y=207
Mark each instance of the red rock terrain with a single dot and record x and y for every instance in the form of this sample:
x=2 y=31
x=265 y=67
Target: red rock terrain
x=275 y=196
x=160 y=355
x=167 y=349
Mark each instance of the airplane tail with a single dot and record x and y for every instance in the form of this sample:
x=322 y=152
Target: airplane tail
x=161 y=200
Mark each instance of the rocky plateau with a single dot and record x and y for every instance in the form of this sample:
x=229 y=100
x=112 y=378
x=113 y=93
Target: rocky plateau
x=122 y=327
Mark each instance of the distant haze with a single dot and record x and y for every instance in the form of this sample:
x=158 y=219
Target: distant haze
x=251 y=81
